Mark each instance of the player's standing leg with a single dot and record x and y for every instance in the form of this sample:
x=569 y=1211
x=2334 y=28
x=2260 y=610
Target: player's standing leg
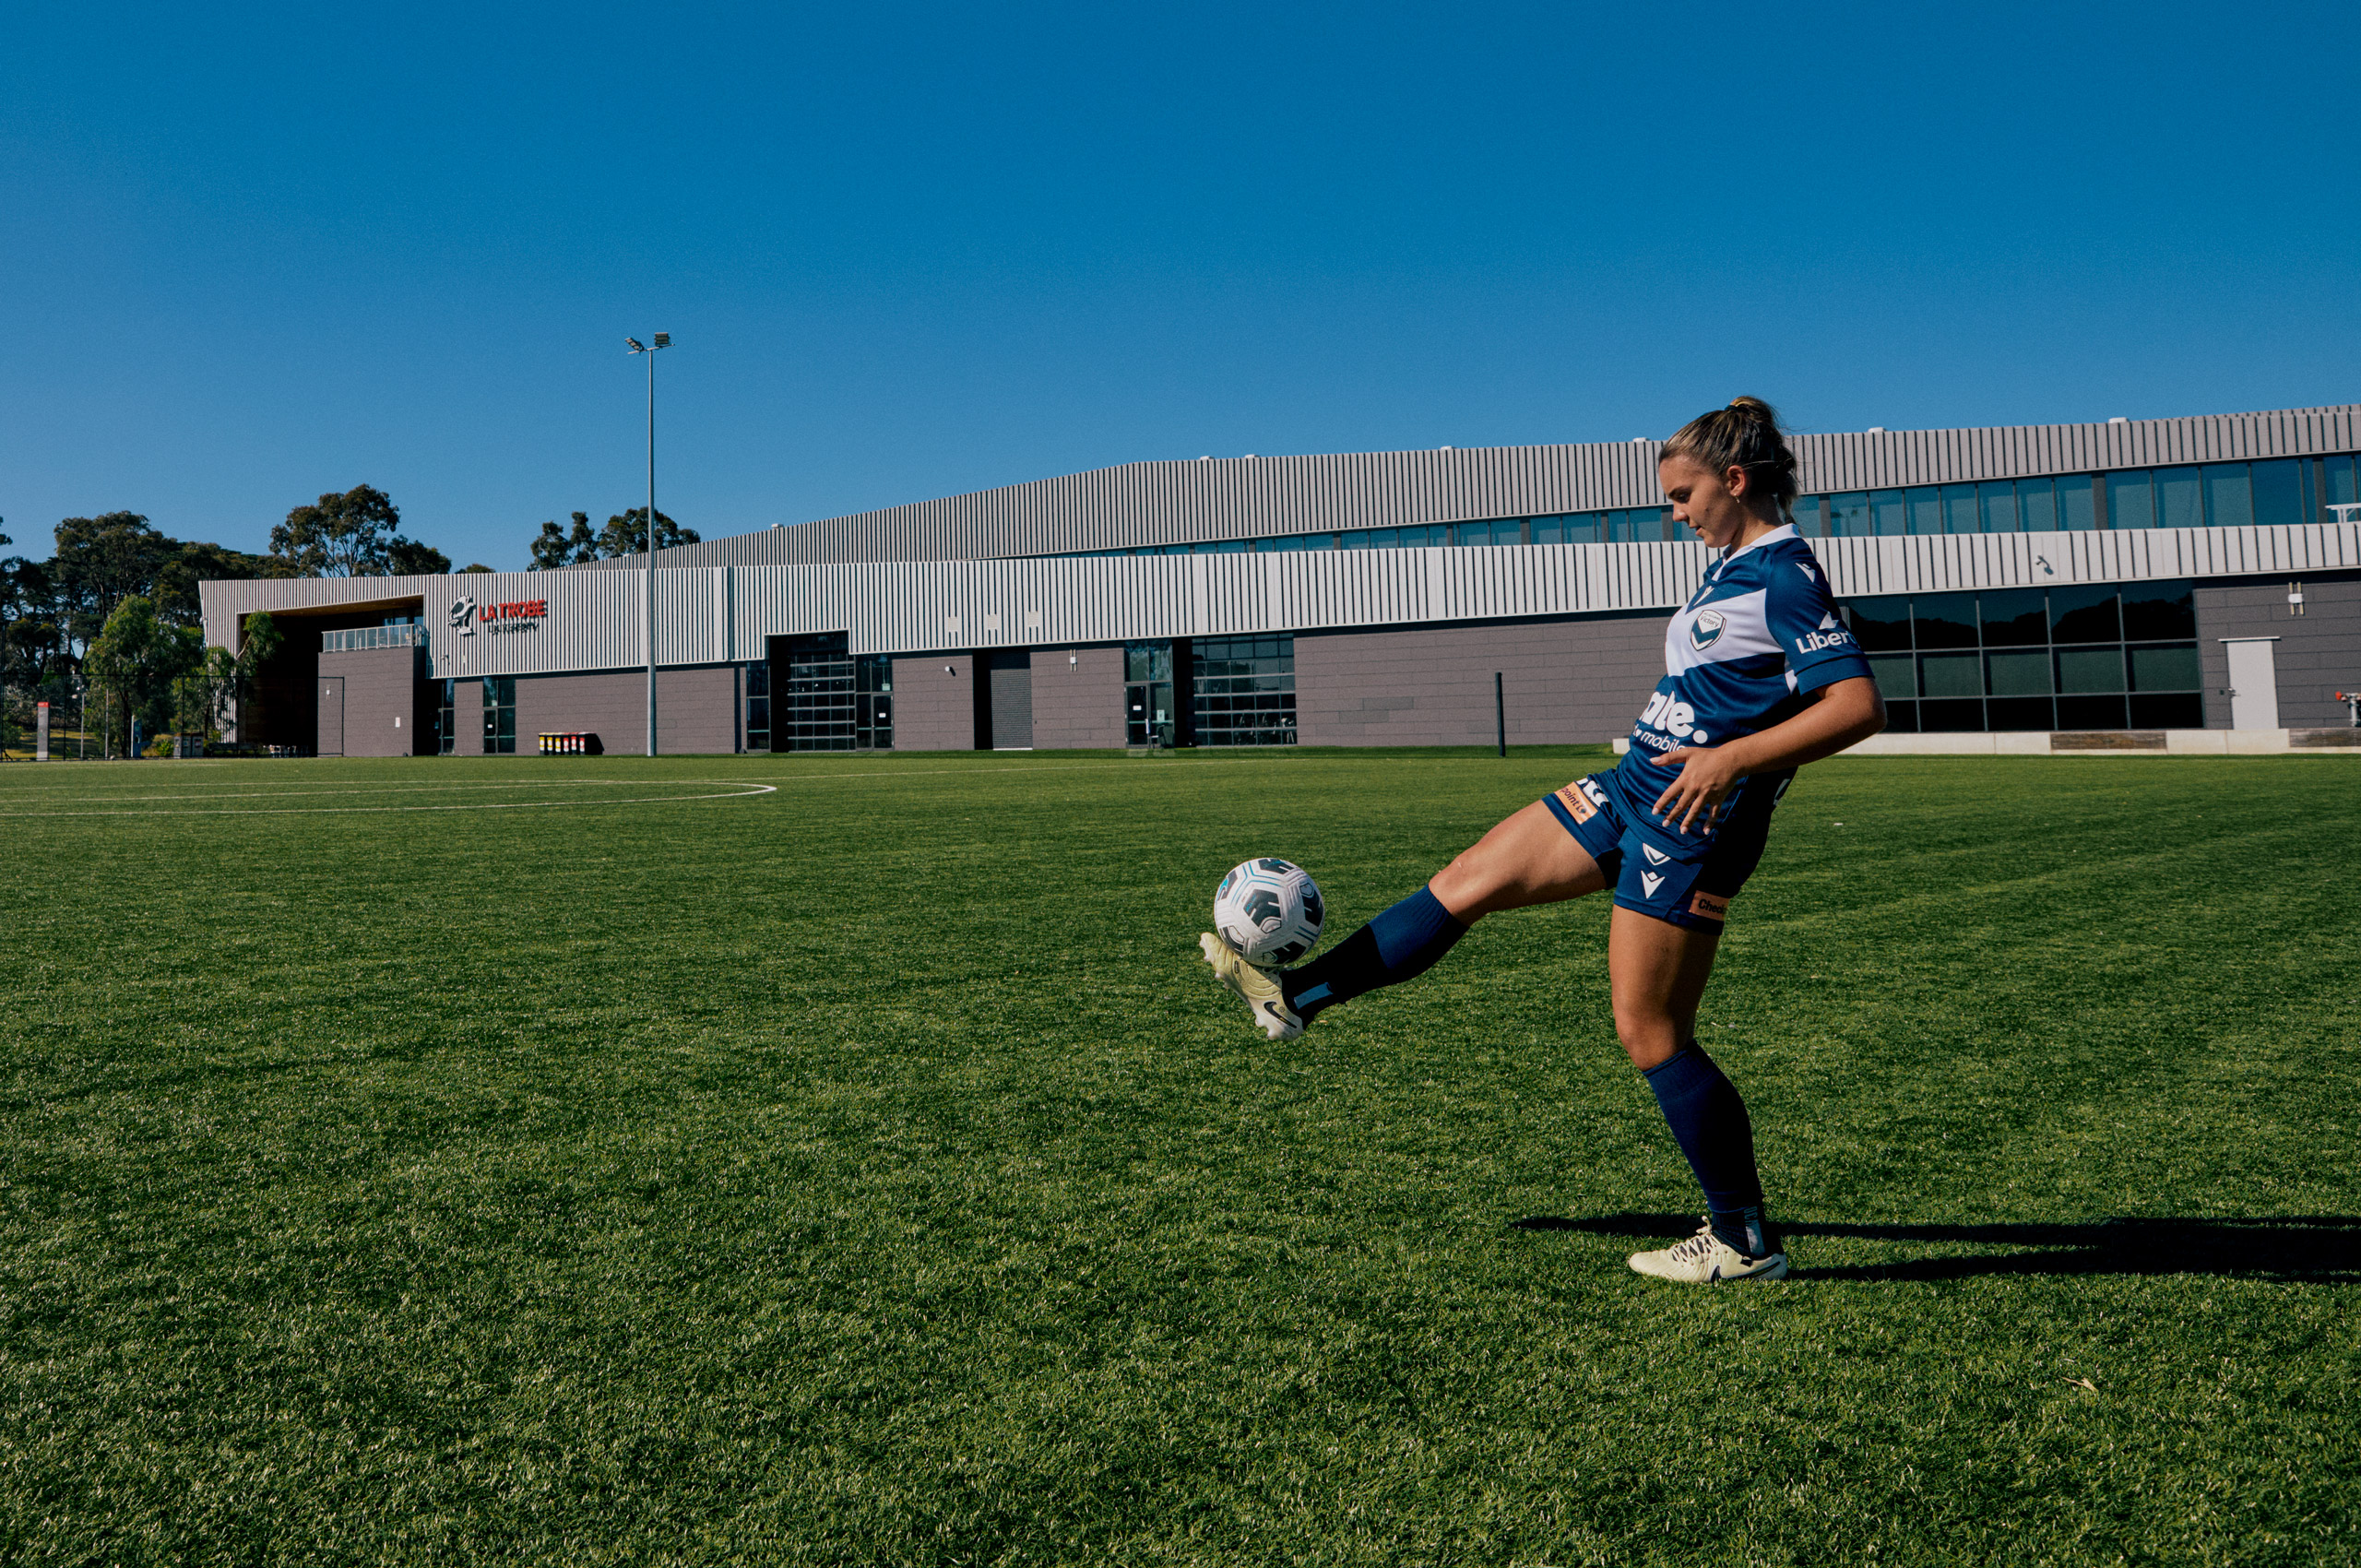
x=1658 y=972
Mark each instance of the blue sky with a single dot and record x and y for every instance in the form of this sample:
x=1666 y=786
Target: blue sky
x=907 y=251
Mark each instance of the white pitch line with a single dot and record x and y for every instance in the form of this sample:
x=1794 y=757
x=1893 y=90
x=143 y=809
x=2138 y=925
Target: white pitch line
x=739 y=791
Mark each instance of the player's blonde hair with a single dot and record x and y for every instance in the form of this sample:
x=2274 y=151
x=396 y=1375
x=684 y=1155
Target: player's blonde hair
x=1745 y=435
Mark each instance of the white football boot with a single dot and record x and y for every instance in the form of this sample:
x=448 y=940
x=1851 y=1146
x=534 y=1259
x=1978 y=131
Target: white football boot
x=1259 y=988
x=1706 y=1259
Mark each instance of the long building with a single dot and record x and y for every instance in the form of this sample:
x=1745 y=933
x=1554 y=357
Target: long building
x=2134 y=575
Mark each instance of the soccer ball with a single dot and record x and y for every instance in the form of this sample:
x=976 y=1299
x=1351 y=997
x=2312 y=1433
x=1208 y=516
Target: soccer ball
x=1268 y=911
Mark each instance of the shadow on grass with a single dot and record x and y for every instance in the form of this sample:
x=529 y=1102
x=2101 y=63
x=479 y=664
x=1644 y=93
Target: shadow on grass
x=2322 y=1248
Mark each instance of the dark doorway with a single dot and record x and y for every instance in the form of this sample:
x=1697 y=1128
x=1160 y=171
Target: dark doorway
x=1012 y=700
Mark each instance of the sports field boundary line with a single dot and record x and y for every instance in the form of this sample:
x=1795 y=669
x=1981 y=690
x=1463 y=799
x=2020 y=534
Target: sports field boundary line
x=738 y=790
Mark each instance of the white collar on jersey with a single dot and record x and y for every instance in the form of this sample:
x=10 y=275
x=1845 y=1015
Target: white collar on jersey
x=1784 y=530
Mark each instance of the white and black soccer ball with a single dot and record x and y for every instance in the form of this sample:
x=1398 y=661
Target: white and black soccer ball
x=1269 y=911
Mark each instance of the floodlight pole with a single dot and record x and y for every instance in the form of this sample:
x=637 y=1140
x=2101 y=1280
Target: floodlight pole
x=648 y=558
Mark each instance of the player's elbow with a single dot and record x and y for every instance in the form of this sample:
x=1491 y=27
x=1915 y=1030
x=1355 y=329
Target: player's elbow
x=1875 y=720
x=1859 y=708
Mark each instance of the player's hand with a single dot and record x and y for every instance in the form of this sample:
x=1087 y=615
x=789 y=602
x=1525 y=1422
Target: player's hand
x=1707 y=776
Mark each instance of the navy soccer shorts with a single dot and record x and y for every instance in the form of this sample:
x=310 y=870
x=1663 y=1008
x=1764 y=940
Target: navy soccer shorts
x=1685 y=879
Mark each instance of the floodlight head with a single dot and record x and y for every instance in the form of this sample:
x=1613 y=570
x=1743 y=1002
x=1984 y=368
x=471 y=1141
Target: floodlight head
x=663 y=339
x=635 y=346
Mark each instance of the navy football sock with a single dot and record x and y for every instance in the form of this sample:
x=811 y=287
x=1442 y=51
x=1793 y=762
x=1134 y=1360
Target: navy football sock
x=1709 y=1122
x=1403 y=941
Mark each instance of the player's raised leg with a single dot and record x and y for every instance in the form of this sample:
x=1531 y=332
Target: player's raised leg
x=1526 y=859
x=1658 y=971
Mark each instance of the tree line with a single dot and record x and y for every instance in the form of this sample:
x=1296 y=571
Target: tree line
x=110 y=624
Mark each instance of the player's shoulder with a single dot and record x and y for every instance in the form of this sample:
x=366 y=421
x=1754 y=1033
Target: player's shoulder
x=1786 y=562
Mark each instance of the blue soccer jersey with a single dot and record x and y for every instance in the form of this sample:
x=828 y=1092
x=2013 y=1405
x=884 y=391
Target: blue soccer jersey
x=1760 y=635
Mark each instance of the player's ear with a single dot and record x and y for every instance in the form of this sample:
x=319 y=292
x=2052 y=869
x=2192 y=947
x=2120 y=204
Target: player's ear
x=1734 y=481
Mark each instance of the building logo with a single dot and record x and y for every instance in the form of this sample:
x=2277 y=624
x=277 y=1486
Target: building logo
x=524 y=615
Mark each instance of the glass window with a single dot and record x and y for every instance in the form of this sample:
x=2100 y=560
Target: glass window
x=446 y=731
x=1848 y=514
x=1472 y=533
x=1999 y=499
x=1959 y=508
x=2129 y=502
x=1951 y=715
x=1150 y=718
x=2019 y=713
x=1949 y=675
x=758 y=707
x=1944 y=620
x=2279 y=492
x=2084 y=614
x=1926 y=509
x=1224 y=547
x=2037 y=504
x=2229 y=498
x=2159 y=610
x=1373 y=539
x=2074 y=507
x=2168 y=667
x=2014 y=618
x=1147 y=661
x=1245 y=691
x=1808 y=521
x=1896 y=674
x=1587 y=527
x=1880 y=624
x=1294 y=541
x=1891 y=512
x=2179 y=503
x=2091 y=713
x=499 y=715
x=2170 y=710
x=1549 y=530
x=2024 y=674
x=2341 y=475
x=2082 y=670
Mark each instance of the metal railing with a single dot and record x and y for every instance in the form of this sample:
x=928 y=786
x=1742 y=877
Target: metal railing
x=360 y=638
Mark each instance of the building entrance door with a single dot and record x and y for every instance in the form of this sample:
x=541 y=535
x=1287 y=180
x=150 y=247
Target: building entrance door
x=2254 y=683
x=331 y=740
x=1011 y=699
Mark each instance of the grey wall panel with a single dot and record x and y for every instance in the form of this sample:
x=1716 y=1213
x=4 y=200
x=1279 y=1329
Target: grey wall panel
x=380 y=699
x=1563 y=682
x=696 y=710
x=2318 y=654
x=1077 y=697
x=934 y=703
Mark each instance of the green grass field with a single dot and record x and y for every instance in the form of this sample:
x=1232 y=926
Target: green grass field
x=578 y=1161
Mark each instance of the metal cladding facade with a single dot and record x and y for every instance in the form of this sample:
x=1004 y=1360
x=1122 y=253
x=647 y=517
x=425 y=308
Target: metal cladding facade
x=1178 y=503
x=981 y=571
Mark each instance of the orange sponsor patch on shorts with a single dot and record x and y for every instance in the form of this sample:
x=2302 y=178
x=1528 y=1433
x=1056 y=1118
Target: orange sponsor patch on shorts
x=1575 y=801
x=1711 y=905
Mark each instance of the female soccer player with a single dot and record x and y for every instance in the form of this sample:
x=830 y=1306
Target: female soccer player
x=1761 y=677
